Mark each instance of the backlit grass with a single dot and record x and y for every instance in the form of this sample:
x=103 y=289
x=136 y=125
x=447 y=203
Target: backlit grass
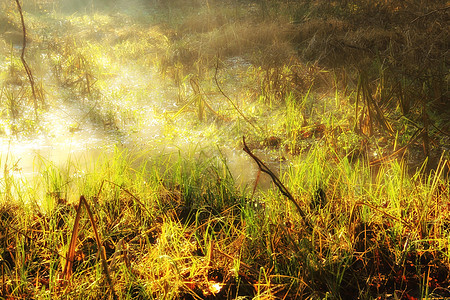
x=178 y=226
x=165 y=94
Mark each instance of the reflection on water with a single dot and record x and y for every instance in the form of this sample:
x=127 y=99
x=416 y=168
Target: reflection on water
x=73 y=136
x=27 y=157
x=78 y=144
x=65 y=140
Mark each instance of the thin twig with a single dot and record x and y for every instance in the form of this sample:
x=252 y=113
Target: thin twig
x=362 y=203
x=24 y=63
x=71 y=252
x=100 y=247
x=414 y=137
x=229 y=100
x=430 y=13
x=279 y=184
x=129 y=193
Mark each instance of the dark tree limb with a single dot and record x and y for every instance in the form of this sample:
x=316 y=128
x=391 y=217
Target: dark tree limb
x=263 y=168
x=24 y=63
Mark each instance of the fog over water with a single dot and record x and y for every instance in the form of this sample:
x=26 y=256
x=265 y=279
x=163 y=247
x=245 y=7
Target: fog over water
x=131 y=106
x=69 y=137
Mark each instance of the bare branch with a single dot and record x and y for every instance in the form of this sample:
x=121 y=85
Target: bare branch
x=279 y=184
x=24 y=63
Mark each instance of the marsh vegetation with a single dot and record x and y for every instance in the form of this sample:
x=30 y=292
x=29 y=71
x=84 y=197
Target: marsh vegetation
x=123 y=170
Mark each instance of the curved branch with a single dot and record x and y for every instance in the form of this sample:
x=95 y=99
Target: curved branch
x=22 y=58
x=279 y=184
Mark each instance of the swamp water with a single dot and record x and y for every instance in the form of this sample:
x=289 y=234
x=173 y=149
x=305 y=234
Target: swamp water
x=74 y=142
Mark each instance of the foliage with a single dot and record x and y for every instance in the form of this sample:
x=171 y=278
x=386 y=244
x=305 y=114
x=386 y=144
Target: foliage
x=344 y=101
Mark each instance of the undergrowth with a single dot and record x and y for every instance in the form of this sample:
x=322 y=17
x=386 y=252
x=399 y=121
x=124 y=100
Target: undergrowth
x=344 y=101
x=179 y=228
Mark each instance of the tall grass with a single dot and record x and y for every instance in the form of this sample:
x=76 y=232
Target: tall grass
x=175 y=224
